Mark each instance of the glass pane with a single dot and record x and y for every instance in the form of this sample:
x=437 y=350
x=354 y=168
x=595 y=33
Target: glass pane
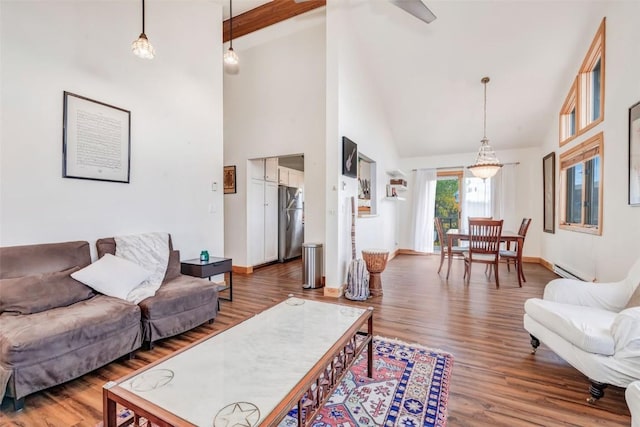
x=574 y=194
x=595 y=79
x=572 y=122
x=447 y=203
x=592 y=191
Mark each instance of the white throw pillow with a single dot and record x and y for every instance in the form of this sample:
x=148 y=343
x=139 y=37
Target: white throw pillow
x=112 y=275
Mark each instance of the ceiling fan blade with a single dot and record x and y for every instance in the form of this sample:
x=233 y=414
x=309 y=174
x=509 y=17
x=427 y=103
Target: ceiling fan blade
x=416 y=8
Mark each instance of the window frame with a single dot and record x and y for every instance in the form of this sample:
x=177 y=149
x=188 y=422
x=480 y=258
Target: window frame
x=580 y=154
x=581 y=94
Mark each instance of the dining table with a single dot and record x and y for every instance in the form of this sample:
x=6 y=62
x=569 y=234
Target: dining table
x=506 y=236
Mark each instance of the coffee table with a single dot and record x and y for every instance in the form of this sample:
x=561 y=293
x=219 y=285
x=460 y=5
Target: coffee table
x=254 y=373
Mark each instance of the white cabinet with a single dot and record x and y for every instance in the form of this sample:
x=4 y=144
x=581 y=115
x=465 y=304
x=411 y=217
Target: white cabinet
x=262 y=216
x=264 y=169
x=290 y=177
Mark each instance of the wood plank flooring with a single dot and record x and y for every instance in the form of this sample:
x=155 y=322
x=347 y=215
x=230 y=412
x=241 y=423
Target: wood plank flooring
x=495 y=380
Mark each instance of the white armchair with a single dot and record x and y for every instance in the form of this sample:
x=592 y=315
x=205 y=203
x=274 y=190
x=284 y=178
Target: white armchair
x=595 y=327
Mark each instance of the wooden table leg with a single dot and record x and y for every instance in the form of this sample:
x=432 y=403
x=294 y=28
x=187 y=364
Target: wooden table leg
x=519 y=261
x=370 y=349
x=449 y=241
x=108 y=408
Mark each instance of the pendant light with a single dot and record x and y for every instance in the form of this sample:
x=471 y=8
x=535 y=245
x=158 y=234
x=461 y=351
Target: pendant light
x=141 y=47
x=487 y=164
x=230 y=59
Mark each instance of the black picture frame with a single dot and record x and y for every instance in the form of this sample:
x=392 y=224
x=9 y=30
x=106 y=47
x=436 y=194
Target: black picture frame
x=229 y=179
x=96 y=140
x=634 y=155
x=549 y=190
x=349 y=158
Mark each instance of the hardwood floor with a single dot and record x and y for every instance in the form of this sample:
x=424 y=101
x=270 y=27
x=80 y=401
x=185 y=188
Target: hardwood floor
x=495 y=379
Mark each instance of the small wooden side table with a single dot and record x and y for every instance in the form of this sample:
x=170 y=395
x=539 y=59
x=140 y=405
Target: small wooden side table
x=215 y=265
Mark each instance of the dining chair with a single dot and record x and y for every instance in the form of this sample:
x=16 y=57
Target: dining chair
x=484 y=245
x=511 y=256
x=444 y=244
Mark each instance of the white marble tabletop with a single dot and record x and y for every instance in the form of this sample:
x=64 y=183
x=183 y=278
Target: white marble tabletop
x=241 y=374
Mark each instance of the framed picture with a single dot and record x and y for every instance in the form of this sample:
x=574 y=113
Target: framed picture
x=634 y=155
x=229 y=179
x=349 y=158
x=96 y=140
x=549 y=196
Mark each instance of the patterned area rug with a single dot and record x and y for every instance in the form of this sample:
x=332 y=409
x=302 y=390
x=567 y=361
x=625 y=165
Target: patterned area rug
x=409 y=388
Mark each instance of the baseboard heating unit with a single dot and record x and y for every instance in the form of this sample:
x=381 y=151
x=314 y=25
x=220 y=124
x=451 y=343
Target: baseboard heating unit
x=563 y=272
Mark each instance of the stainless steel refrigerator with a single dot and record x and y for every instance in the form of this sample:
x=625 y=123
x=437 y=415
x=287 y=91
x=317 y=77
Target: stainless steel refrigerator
x=290 y=223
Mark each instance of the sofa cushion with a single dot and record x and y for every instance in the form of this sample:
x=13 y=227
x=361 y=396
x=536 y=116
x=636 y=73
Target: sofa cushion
x=112 y=275
x=40 y=292
x=585 y=327
x=20 y=261
x=30 y=339
x=179 y=295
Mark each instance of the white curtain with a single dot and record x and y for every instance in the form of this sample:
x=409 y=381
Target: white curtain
x=503 y=197
x=424 y=206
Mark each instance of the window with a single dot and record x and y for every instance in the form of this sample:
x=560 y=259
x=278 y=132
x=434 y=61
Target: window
x=584 y=106
x=581 y=186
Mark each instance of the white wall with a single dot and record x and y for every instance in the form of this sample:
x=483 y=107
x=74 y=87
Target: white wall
x=606 y=257
x=528 y=190
x=275 y=107
x=361 y=117
x=175 y=101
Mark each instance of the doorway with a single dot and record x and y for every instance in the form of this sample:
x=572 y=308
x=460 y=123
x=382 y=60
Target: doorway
x=448 y=191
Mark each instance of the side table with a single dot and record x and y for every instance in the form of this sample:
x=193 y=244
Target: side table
x=215 y=265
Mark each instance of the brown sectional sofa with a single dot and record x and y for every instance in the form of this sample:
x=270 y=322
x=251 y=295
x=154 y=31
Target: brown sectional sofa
x=54 y=329
x=181 y=303
x=40 y=349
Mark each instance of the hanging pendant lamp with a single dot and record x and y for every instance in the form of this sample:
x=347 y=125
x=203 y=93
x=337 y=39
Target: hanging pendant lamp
x=141 y=47
x=487 y=163
x=230 y=59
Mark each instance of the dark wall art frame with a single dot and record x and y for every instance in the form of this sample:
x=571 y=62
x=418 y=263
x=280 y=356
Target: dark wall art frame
x=349 y=158
x=229 y=179
x=634 y=155
x=96 y=140
x=549 y=189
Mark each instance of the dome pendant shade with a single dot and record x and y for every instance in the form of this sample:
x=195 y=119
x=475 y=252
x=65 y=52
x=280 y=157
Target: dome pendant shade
x=487 y=163
x=142 y=48
x=231 y=62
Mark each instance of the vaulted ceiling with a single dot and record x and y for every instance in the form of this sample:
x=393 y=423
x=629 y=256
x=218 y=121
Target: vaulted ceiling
x=428 y=75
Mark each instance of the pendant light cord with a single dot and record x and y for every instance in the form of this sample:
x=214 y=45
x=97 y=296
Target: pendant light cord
x=485 y=80
x=142 y=16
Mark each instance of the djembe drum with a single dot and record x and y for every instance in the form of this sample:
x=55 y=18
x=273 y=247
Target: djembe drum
x=376 y=261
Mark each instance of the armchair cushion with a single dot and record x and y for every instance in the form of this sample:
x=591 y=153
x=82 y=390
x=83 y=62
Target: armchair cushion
x=626 y=333
x=587 y=328
x=606 y=296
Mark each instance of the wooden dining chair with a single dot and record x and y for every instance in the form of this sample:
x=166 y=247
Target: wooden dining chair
x=444 y=244
x=484 y=245
x=511 y=256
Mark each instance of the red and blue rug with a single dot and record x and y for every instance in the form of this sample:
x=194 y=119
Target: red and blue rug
x=409 y=388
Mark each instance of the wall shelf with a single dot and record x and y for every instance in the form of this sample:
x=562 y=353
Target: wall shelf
x=398 y=187
x=401 y=199
x=396 y=173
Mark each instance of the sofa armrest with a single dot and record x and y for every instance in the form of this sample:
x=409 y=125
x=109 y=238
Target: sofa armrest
x=626 y=334
x=607 y=296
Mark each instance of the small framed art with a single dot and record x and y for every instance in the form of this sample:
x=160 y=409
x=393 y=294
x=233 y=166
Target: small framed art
x=229 y=179
x=349 y=158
